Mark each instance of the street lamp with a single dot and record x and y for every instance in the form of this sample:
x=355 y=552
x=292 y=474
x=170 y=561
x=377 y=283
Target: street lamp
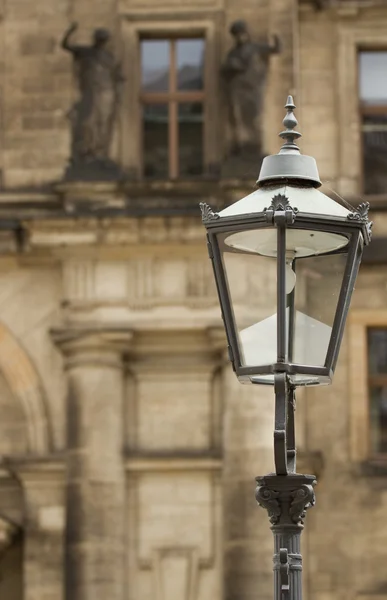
x=288 y=229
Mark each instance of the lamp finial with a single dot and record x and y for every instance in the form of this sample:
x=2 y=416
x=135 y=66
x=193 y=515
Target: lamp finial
x=289 y=165
x=290 y=135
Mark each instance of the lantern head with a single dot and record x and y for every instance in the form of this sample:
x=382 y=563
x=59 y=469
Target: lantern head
x=300 y=250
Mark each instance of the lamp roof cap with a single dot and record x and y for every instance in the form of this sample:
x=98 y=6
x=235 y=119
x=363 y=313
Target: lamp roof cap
x=289 y=164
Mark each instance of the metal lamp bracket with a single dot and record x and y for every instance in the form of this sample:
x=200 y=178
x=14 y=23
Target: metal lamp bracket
x=284 y=573
x=280 y=212
x=284 y=433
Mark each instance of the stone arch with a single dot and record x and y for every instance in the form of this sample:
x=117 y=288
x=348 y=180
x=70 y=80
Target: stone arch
x=24 y=383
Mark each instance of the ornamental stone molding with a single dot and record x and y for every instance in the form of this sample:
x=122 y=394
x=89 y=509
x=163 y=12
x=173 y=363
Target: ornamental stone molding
x=92 y=345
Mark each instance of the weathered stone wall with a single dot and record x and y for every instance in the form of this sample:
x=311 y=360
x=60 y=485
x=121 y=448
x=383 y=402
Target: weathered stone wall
x=112 y=352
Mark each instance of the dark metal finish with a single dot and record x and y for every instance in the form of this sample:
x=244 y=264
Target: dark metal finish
x=350 y=274
x=361 y=214
x=281 y=293
x=289 y=218
x=291 y=331
x=290 y=135
x=286 y=500
x=284 y=572
x=289 y=164
x=280 y=204
x=284 y=432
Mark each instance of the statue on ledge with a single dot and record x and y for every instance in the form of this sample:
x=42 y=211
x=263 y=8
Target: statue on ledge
x=244 y=73
x=93 y=115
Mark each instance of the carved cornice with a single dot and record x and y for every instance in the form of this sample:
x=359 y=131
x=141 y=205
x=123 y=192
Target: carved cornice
x=30 y=470
x=96 y=200
x=193 y=347
x=93 y=345
x=112 y=232
x=160 y=463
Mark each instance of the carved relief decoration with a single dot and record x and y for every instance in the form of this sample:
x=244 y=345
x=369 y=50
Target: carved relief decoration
x=269 y=499
x=303 y=498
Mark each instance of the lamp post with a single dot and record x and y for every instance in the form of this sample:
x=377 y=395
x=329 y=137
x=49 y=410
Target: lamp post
x=288 y=226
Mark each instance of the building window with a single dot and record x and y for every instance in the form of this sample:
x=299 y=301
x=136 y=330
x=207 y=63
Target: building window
x=172 y=104
x=367 y=385
x=377 y=389
x=373 y=108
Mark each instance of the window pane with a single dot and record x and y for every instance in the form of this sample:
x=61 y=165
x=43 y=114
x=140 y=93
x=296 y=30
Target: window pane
x=155 y=140
x=155 y=65
x=190 y=139
x=373 y=77
x=378 y=416
x=190 y=59
x=375 y=154
x=377 y=351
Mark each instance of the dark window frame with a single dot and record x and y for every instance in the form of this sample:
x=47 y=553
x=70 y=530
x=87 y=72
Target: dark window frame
x=368 y=110
x=173 y=97
x=374 y=380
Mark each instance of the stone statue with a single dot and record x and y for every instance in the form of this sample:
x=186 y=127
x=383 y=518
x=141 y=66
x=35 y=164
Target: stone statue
x=92 y=116
x=244 y=73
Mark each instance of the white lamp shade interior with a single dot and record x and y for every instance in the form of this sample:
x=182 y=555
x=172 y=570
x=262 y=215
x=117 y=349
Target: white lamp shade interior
x=300 y=242
x=259 y=341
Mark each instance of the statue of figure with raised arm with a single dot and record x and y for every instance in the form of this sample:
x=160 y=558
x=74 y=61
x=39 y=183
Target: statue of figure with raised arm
x=92 y=116
x=245 y=72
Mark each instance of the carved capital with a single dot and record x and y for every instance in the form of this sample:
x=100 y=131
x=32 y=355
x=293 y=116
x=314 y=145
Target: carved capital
x=93 y=345
x=286 y=498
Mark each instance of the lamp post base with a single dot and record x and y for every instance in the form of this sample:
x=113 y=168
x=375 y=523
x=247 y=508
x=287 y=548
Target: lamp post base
x=286 y=499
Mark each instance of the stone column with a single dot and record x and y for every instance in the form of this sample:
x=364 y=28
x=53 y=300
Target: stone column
x=95 y=488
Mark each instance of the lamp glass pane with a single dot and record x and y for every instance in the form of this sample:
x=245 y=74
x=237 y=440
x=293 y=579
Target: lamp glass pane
x=252 y=284
x=319 y=280
x=315 y=266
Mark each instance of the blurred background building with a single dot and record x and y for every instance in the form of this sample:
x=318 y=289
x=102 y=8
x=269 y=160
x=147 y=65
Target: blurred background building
x=128 y=450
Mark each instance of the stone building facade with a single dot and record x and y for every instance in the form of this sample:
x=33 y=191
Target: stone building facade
x=128 y=450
